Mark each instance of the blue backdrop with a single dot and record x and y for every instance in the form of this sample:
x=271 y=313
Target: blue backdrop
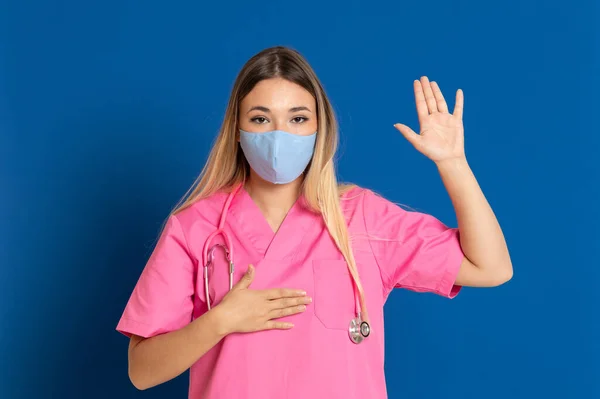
x=108 y=110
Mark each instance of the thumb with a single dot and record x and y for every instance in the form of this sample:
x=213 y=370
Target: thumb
x=408 y=133
x=246 y=280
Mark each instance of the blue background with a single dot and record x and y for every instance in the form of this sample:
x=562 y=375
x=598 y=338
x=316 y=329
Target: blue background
x=108 y=110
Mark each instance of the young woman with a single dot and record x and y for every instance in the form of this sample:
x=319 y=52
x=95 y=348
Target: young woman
x=325 y=256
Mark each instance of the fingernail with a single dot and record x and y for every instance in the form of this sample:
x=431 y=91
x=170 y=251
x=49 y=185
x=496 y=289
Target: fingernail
x=309 y=299
x=302 y=292
x=290 y=325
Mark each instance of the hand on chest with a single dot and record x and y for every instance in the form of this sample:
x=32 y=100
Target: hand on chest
x=298 y=254
x=301 y=255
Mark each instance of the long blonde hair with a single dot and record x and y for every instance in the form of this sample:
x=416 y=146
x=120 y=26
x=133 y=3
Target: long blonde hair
x=226 y=165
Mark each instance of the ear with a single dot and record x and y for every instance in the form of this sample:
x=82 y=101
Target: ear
x=237 y=133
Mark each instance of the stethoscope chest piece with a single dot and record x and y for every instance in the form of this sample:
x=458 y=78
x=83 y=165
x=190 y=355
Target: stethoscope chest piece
x=358 y=330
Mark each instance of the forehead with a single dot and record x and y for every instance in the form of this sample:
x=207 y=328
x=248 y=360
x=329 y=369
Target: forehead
x=278 y=93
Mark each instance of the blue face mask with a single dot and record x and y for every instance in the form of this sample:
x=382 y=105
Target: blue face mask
x=277 y=156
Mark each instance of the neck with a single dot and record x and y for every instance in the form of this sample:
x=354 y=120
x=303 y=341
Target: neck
x=273 y=198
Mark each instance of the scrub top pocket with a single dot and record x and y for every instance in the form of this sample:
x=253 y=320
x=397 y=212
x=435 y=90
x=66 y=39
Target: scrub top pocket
x=334 y=301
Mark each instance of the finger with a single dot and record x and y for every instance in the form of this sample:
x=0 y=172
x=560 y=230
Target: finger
x=275 y=293
x=246 y=280
x=429 y=97
x=278 y=325
x=408 y=133
x=278 y=313
x=459 y=105
x=422 y=110
x=439 y=97
x=289 y=302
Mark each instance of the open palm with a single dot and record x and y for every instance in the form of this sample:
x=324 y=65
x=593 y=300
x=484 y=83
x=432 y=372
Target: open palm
x=441 y=134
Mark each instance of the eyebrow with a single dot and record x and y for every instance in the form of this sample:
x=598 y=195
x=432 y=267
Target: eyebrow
x=265 y=109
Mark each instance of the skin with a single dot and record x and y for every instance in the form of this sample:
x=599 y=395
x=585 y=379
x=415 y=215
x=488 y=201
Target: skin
x=153 y=361
x=487 y=262
x=277 y=104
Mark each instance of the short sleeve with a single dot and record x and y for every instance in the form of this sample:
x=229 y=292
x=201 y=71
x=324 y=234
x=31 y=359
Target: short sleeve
x=162 y=299
x=413 y=250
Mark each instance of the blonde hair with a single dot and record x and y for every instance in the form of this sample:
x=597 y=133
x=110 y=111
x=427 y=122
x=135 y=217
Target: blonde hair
x=227 y=167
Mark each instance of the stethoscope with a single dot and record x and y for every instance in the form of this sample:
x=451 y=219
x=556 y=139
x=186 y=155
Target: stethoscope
x=358 y=329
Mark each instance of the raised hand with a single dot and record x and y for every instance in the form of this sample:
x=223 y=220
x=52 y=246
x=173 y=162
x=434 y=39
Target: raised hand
x=441 y=135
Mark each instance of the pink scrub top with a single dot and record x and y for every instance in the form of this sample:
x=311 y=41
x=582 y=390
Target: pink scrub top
x=393 y=248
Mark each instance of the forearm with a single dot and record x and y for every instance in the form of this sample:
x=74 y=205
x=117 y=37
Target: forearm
x=163 y=357
x=481 y=237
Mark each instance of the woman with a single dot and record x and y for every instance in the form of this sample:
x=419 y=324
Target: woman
x=326 y=256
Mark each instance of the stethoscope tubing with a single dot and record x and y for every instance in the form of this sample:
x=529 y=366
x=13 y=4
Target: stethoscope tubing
x=358 y=328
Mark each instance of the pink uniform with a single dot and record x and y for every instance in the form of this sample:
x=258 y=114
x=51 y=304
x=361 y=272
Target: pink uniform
x=315 y=359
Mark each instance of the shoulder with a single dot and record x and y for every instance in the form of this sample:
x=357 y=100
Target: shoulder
x=373 y=209
x=201 y=215
x=357 y=204
x=353 y=197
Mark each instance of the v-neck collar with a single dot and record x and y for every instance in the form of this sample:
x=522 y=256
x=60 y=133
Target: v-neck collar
x=250 y=221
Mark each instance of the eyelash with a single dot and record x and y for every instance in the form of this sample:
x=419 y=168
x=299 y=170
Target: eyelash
x=304 y=119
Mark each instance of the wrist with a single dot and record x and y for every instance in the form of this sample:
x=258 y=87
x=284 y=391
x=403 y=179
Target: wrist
x=452 y=164
x=219 y=320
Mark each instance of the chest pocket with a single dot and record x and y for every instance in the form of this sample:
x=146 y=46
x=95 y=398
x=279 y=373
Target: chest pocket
x=334 y=303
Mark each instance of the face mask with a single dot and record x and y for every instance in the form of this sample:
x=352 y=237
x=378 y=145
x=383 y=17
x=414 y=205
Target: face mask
x=277 y=156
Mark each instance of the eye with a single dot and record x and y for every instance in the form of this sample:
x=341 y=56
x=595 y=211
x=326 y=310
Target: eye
x=302 y=119
x=259 y=120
